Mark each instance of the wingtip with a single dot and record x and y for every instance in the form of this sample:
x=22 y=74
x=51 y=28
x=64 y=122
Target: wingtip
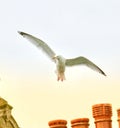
x=104 y=74
x=21 y=33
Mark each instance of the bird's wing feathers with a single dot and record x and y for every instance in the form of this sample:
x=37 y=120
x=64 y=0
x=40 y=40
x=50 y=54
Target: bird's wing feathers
x=84 y=61
x=39 y=43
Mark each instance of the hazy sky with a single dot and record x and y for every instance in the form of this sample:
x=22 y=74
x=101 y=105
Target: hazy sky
x=89 y=28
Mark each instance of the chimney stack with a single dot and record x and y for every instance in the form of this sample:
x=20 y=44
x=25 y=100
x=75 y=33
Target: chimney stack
x=102 y=114
x=80 y=123
x=57 y=123
x=118 y=113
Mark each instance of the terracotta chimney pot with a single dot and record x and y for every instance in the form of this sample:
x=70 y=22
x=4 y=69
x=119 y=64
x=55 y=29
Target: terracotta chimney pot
x=102 y=114
x=118 y=113
x=80 y=123
x=57 y=123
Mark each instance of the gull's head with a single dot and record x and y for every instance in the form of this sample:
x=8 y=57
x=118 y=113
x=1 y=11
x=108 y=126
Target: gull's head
x=58 y=58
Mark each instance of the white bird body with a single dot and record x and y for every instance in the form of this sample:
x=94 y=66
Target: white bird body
x=60 y=66
x=60 y=61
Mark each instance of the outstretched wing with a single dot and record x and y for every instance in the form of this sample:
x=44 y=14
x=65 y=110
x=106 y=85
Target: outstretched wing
x=84 y=61
x=40 y=44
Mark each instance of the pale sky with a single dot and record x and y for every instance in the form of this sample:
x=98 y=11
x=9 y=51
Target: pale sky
x=72 y=28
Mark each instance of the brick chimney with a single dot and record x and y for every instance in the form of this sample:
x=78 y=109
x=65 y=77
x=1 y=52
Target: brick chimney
x=102 y=114
x=80 y=123
x=57 y=123
x=118 y=113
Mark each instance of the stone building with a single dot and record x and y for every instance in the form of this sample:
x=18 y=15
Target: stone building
x=102 y=114
x=6 y=119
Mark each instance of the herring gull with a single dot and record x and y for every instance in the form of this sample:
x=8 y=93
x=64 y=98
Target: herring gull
x=60 y=61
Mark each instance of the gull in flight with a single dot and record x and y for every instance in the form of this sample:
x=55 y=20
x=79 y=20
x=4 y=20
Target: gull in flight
x=59 y=60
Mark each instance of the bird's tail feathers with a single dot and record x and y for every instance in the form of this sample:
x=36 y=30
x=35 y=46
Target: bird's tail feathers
x=61 y=76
